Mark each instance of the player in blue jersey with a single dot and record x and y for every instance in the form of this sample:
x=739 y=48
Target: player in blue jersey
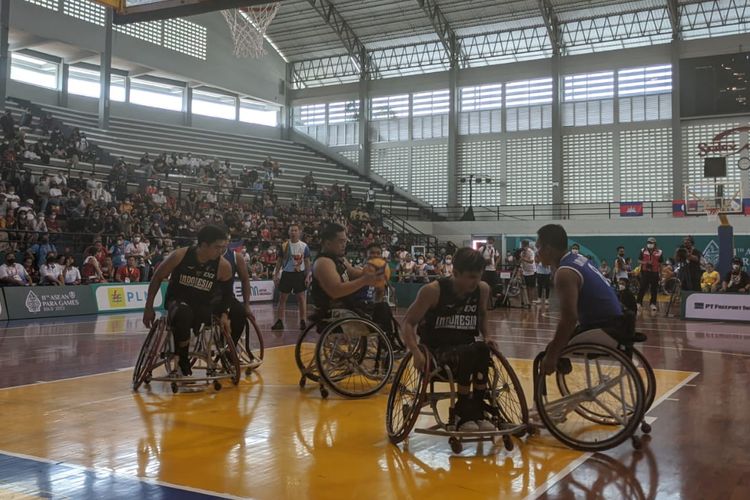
x=589 y=308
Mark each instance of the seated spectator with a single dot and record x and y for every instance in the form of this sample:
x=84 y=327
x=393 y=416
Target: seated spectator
x=8 y=124
x=50 y=273
x=41 y=249
x=92 y=271
x=605 y=270
x=406 y=269
x=627 y=299
x=129 y=273
x=31 y=270
x=12 y=273
x=710 y=279
x=736 y=280
x=71 y=274
x=108 y=270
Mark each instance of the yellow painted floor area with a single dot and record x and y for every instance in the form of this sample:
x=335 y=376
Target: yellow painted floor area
x=267 y=439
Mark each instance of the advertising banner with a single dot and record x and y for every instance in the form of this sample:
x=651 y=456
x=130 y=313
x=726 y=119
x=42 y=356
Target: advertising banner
x=49 y=301
x=716 y=306
x=260 y=291
x=3 y=309
x=124 y=297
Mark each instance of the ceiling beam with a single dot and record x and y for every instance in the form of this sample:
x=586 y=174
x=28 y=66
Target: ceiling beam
x=139 y=71
x=80 y=55
x=448 y=37
x=674 y=18
x=354 y=47
x=25 y=41
x=553 y=25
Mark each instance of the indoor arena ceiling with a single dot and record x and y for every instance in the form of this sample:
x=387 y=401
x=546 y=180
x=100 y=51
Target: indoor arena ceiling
x=413 y=36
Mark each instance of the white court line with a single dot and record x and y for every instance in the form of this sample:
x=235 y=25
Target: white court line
x=122 y=475
x=578 y=462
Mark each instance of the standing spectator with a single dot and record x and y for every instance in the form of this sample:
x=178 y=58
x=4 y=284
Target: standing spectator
x=12 y=273
x=8 y=124
x=370 y=199
x=489 y=276
x=693 y=263
x=129 y=273
x=528 y=269
x=543 y=275
x=651 y=259
x=621 y=267
x=50 y=273
x=292 y=274
x=736 y=280
x=710 y=279
x=605 y=270
x=42 y=249
x=71 y=274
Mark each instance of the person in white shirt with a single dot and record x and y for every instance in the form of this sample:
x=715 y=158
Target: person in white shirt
x=51 y=273
x=489 y=276
x=528 y=269
x=139 y=250
x=292 y=274
x=71 y=274
x=13 y=274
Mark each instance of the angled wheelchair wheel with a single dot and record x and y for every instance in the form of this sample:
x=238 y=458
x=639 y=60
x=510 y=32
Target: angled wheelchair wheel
x=250 y=348
x=150 y=352
x=396 y=342
x=508 y=400
x=304 y=354
x=647 y=376
x=597 y=401
x=406 y=397
x=354 y=357
x=226 y=353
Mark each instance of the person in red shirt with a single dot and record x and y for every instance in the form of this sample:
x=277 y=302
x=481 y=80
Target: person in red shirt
x=129 y=273
x=651 y=259
x=101 y=252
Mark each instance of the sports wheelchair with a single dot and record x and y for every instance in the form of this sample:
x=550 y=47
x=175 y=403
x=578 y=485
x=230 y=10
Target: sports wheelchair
x=211 y=352
x=598 y=396
x=344 y=352
x=414 y=389
x=250 y=347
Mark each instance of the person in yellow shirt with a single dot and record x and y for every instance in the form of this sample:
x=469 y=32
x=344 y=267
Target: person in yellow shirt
x=710 y=279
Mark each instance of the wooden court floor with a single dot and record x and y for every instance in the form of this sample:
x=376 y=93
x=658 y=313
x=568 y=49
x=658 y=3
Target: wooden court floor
x=72 y=428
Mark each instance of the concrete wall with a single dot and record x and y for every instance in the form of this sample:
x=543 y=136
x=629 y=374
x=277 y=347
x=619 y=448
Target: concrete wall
x=258 y=78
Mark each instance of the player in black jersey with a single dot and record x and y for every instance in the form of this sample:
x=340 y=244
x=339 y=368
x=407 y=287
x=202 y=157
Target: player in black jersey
x=336 y=283
x=194 y=292
x=450 y=315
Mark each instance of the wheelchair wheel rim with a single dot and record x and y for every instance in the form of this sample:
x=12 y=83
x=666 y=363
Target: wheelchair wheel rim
x=509 y=398
x=304 y=353
x=405 y=399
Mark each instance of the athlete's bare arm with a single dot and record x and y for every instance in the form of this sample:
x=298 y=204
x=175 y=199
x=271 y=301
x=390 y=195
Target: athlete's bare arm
x=484 y=294
x=162 y=273
x=325 y=272
x=567 y=284
x=427 y=298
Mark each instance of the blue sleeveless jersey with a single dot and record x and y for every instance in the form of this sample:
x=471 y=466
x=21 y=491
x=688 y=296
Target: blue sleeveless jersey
x=597 y=300
x=231 y=256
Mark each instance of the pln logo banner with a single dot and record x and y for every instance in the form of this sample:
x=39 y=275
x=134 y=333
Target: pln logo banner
x=124 y=297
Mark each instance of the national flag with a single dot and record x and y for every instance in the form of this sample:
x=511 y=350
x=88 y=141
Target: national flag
x=678 y=208
x=631 y=209
x=746 y=206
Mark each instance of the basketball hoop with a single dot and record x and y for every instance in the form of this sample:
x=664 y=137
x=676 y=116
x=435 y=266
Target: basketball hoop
x=248 y=26
x=712 y=213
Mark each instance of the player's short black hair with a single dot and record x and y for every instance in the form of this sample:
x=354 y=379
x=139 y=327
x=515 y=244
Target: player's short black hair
x=468 y=260
x=330 y=231
x=211 y=233
x=553 y=235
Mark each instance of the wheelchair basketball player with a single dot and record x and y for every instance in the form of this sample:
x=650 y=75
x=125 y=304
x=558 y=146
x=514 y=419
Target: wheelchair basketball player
x=450 y=315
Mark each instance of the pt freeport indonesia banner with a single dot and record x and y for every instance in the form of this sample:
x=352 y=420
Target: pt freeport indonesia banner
x=717 y=306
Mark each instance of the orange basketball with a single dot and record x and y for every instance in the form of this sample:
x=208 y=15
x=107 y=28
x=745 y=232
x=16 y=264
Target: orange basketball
x=381 y=266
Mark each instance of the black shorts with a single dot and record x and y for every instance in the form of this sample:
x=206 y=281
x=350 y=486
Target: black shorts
x=292 y=282
x=530 y=280
x=490 y=277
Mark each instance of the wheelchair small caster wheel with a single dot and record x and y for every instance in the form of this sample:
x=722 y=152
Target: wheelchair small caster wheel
x=323 y=392
x=645 y=428
x=147 y=380
x=302 y=382
x=217 y=385
x=508 y=443
x=248 y=371
x=173 y=385
x=456 y=445
x=637 y=444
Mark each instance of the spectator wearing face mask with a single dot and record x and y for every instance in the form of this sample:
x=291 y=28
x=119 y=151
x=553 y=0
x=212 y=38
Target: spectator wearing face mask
x=406 y=269
x=446 y=269
x=575 y=249
x=627 y=299
x=651 y=260
x=51 y=274
x=736 y=280
x=693 y=263
x=420 y=273
x=543 y=280
x=12 y=273
x=620 y=265
x=128 y=273
x=71 y=274
x=139 y=250
x=41 y=249
x=710 y=279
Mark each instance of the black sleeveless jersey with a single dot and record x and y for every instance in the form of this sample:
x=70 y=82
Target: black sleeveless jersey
x=454 y=321
x=192 y=282
x=318 y=297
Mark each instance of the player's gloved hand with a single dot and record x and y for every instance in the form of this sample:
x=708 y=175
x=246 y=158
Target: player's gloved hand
x=420 y=362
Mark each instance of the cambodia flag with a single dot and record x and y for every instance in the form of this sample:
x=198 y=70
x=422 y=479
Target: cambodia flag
x=631 y=209
x=678 y=208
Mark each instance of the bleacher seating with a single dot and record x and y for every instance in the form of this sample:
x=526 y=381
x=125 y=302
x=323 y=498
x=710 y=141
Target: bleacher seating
x=131 y=138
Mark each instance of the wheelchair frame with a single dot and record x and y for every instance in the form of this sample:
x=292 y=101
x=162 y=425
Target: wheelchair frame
x=499 y=416
x=250 y=359
x=314 y=369
x=218 y=362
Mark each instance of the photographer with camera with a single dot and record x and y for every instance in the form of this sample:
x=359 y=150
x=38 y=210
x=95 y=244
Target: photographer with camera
x=490 y=256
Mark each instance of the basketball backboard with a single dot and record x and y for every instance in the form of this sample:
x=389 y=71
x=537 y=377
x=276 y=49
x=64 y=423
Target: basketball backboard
x=133 y=11
x=720 y=197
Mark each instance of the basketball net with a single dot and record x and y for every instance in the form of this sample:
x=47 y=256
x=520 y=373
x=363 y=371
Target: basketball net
x=713 y=214
x=248 y=26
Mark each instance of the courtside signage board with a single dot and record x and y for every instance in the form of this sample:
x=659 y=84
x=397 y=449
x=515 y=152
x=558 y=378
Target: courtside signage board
x=260 y=291
x=49 y=301
x=716 y=306
x=124 y=297
x=3 y=309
